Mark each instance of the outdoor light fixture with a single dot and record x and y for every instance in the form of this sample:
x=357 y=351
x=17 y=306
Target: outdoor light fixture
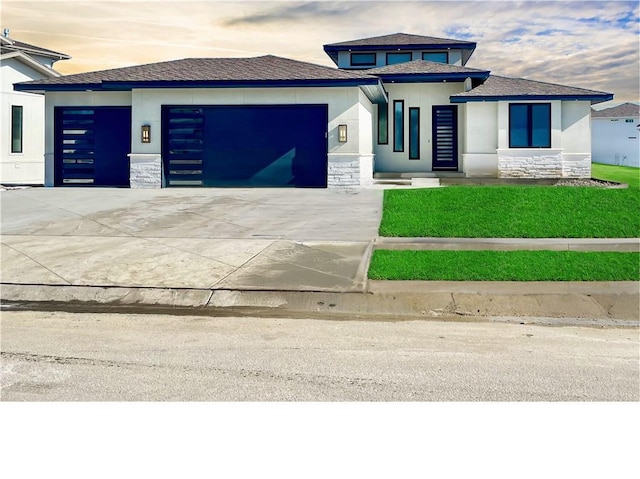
x=145 y=132
x=342 y=133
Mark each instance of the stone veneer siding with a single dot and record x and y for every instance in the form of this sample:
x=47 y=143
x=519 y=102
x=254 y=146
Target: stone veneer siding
x=349 y=170
x=145 y=170
x=543 y=163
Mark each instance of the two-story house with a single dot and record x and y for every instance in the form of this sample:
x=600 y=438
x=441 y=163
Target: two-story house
x=396 y=105
x=22 y=151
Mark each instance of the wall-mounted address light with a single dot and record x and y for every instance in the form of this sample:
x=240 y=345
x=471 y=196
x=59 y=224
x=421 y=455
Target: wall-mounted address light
x=145 y=132
x=342 y=133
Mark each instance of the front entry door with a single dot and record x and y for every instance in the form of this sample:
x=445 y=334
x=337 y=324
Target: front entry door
x=445 y=137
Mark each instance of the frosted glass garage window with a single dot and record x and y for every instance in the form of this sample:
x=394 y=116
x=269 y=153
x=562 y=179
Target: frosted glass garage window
x=16 y=129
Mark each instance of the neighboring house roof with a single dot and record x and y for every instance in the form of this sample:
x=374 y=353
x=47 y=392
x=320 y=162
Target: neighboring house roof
x=629 y=110
x=30 y=62
x=9 y=45
x=400 y=40
x=426 y=71
x=503 y=88
x=264 y=71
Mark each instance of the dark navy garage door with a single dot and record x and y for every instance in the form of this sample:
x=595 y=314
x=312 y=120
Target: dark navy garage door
x=238 y=146
x=91 y=146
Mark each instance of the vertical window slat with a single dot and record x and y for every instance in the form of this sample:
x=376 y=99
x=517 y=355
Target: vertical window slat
x=414 y=133
x=16 y=129
x=383 y=124
x=398 y=125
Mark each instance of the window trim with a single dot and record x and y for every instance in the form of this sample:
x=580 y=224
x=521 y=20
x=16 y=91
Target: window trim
x=397 y=119
x=20 y=125
x=417 y=129
x=386 y=129
x=366 y=64
x=386 y=59
x=446 y=54
x=529 y=125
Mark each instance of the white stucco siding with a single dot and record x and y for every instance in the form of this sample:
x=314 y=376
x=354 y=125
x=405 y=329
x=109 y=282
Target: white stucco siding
x=350 y=163
x=87 y=98
x=576 y=127
x=569 y=155
x=344 y=57
x=480 y=130
x=344 y=106
x=423 y=96
x=26 y=167
x=616 y=141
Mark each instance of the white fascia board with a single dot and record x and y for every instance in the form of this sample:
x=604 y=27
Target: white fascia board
x=36 y=65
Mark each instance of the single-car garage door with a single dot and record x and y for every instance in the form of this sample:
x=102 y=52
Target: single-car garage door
x=91 y=146
x=238 y=146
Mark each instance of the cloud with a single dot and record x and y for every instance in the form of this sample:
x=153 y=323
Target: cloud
x=589 y=44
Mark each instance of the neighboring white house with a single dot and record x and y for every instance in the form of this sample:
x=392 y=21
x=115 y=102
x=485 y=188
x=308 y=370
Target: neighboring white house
x=396 y=105
x=22 y=150
x=615 y=135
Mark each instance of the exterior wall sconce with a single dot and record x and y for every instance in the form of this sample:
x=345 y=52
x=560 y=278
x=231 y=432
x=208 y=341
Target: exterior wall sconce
x=342 y=133
x=145 y=132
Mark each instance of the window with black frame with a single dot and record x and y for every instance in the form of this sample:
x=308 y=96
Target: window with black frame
x=529 y=125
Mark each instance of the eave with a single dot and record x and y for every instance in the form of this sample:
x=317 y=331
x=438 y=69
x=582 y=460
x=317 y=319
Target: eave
x=594 y=99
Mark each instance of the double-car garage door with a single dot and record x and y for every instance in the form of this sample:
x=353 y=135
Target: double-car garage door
x=233 y=146
x=265 y=145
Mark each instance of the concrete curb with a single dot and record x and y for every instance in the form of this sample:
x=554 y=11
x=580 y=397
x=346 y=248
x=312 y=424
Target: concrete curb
x=612 y=301
x=510 y=244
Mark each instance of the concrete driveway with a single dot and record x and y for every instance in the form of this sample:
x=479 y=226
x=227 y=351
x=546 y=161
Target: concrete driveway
x=243 y=239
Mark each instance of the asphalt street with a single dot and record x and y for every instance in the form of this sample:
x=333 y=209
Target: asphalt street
x=55 y=356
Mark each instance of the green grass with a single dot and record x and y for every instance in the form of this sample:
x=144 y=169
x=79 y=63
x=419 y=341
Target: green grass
x=512 y=212
x=441 y=265
x=621 y=174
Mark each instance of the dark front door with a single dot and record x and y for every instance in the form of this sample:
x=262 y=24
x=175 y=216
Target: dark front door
x=445 y=137
x=240 y=146
x=91 y=146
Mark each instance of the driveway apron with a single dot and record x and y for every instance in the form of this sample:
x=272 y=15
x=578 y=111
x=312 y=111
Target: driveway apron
x=243 y=239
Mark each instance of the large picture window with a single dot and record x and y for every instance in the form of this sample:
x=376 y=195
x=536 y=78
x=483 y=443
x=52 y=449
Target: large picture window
x=398 y=125
x=363 y=59
x=383 y=124
x=16 y=129
x=530 y=125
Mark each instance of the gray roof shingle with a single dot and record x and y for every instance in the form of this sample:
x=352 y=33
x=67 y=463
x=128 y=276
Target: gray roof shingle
x=498 y=86
x=421 y=67
x=16 y=46
x=264 y=68
x=625 y=110
x=399 y=39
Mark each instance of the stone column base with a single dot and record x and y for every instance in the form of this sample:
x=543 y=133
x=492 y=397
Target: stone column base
x=145 y=170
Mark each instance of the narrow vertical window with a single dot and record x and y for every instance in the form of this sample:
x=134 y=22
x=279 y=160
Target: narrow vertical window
x=383 y=124
x=414 y=133
x=16 y=129
x=398 y=125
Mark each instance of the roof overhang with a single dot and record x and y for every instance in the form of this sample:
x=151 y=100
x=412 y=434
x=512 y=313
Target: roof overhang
x=431 y=77
x=372 y=87
x=594 y=99
x=30 y=62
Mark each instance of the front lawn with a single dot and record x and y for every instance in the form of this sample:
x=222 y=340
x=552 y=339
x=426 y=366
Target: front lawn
x=441 y=265
x=621 y=174
x=512 y=212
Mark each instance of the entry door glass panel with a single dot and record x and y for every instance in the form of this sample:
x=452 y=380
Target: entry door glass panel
x=445 y=137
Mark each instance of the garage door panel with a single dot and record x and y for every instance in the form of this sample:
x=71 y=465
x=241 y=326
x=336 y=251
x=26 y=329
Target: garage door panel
x=92 y=146
x=274 y=145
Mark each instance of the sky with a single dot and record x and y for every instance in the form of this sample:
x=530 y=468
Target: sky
x=588 y=44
